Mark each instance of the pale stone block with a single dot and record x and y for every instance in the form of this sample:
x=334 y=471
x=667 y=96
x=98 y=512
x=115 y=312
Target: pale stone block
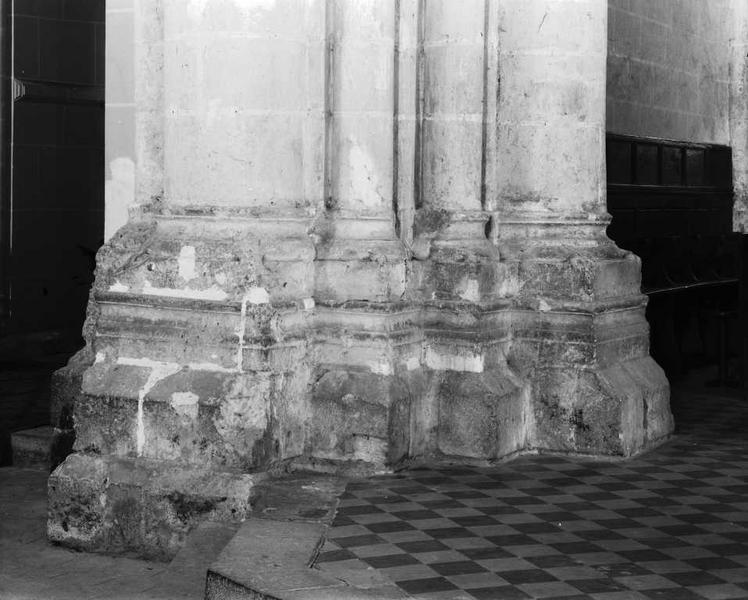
x=406 y=85
x=287 y=19
x=113 y=5
x=260 y=74
x=455 y=74
x=364 y=78
x=248 y=159
x=561 y=26
x=538 y=175
x=563 y=100
x=364 y=21
x=120 y=49
x=452 y=163
x=408 y=25
x=446 y=21
x=363 y=154
x=670 y=58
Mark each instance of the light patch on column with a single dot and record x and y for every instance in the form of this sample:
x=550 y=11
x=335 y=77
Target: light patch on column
x=196 y=8
x=240 y=332
x=119 y=287
x=257 y=295
x=159 y=371
x=185 y=404
x=211 y=293
x=363 y=177
x=464 y=362
x=471 y=292
x=186 y=263
x=211 y=367
x=382 y=367
x=369 y=449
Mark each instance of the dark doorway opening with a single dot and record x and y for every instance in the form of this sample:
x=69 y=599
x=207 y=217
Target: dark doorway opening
x=52 y=191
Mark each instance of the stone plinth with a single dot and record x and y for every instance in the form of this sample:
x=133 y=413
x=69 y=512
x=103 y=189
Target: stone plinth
x=356 y=251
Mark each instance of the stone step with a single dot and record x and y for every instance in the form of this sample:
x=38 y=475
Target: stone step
x=272 y=554
x=142 y=506
x=41 y=448
x=185 y=575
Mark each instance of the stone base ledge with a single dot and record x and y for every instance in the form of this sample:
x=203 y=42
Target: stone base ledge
x=127 y=505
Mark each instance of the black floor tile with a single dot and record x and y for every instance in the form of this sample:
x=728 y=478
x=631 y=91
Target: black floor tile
x=464 y=567
x=596 y=586
x=422 y=546
x=485 y=553
x=389 y=526
x=390 y=560
x=695 y=577
x=424 y=586
x=449 y=532
x=505 y=592
x=527 y=576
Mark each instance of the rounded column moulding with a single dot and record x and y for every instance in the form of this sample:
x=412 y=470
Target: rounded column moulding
x=580 y=335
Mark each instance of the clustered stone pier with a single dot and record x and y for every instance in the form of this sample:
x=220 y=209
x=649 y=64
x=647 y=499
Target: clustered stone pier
x=369 y=232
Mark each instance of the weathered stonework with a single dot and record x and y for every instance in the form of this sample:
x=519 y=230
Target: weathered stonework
x=393 y=287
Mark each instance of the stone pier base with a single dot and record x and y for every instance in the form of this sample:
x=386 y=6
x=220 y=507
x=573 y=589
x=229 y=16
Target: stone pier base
x=365 y=234
x=190 y=396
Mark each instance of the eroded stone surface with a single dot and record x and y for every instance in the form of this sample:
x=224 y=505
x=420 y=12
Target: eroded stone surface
x=144 y=507
x=346 y=261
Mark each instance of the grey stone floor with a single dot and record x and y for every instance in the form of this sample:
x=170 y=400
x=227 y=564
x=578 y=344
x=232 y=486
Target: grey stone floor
x=32 y=569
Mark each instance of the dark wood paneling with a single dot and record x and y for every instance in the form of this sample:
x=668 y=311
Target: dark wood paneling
x=671 y=204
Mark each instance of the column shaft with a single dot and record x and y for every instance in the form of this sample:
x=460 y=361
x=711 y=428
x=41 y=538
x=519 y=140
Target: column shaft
x=356 y=238
x=552 y=108
x=580 y=336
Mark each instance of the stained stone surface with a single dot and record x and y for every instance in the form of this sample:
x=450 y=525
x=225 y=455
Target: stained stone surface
x=313 y=276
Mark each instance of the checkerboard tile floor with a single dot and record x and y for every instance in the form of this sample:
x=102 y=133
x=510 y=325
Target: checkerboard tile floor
x=672 y=524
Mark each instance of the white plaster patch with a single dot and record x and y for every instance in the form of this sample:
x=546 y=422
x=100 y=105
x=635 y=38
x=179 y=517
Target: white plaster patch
x=369 y=449
x=221 y=278
x=257 y=295
x=308 y=303
x=159 y=371
x=240 y=331
x=185 y=404
x=211 y=293
x=119 y=287
x=412 y=363
x=381 y=368
x=100 y=357
x=471 y=292
x=186 y=262
x=467 y=363
x=543 y=306
x=208 y=366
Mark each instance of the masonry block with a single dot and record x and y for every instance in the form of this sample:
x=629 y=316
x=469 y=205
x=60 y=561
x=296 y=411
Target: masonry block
x=146 y=507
